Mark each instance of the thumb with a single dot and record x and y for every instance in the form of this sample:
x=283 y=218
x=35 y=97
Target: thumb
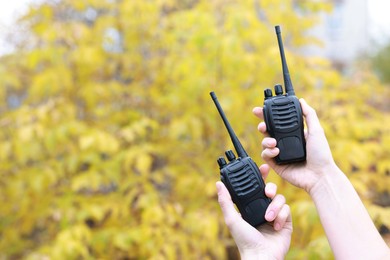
x=243 y=234
x=230 y=214
x=312 y=121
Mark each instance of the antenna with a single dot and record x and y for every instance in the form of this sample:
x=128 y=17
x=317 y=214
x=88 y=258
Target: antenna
x=286 y=74
x=237 y=145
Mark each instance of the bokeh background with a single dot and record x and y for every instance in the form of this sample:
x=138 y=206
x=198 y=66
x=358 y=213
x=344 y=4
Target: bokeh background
x=109 y=139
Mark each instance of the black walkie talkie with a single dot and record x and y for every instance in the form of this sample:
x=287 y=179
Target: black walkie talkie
x=242 y=178
x=283 y=116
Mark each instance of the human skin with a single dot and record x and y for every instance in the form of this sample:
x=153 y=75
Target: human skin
x=271 y=240
x=348 y=227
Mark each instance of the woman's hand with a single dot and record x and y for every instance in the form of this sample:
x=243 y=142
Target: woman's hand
x=319 y=161
x=270 y=240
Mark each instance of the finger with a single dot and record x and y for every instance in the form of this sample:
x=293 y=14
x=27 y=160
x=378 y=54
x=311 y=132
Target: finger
x=312 y=121
x=268 y=142
x=283 y=217
x=269 y=153
x=262 y=128
x=237 y=226
x=258 y=111
x=274 y=207
x=229 y=212
x=270 y=190
x=264 y=170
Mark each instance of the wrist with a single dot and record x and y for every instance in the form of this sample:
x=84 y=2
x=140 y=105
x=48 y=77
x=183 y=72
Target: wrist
x=257 y=253
x=253 y=255
x=328 y=176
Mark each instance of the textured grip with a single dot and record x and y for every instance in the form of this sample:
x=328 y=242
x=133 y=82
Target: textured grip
x=284 y=120
x=246 y=187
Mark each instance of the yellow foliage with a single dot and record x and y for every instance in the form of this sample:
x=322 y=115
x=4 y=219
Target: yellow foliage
x=109 y=139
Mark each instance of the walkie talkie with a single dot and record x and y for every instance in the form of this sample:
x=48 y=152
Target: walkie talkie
x=242 y=178
x=283 y=116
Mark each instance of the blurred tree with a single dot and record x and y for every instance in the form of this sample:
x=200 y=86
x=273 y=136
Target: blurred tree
x=381 y=63
x=109 y=137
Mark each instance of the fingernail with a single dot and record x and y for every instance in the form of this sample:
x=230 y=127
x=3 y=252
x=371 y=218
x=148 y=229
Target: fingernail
x=218 y=186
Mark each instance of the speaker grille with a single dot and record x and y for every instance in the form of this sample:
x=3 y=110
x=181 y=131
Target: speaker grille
x=244 y=181
x=284 y=116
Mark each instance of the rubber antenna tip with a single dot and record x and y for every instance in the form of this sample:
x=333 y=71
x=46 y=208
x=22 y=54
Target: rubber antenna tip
x=277 y=29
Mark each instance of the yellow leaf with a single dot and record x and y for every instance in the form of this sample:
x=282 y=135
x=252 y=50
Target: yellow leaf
x=144 y=163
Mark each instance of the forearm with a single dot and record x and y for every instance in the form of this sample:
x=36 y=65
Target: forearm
x=254 y=255
x=349 y=228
